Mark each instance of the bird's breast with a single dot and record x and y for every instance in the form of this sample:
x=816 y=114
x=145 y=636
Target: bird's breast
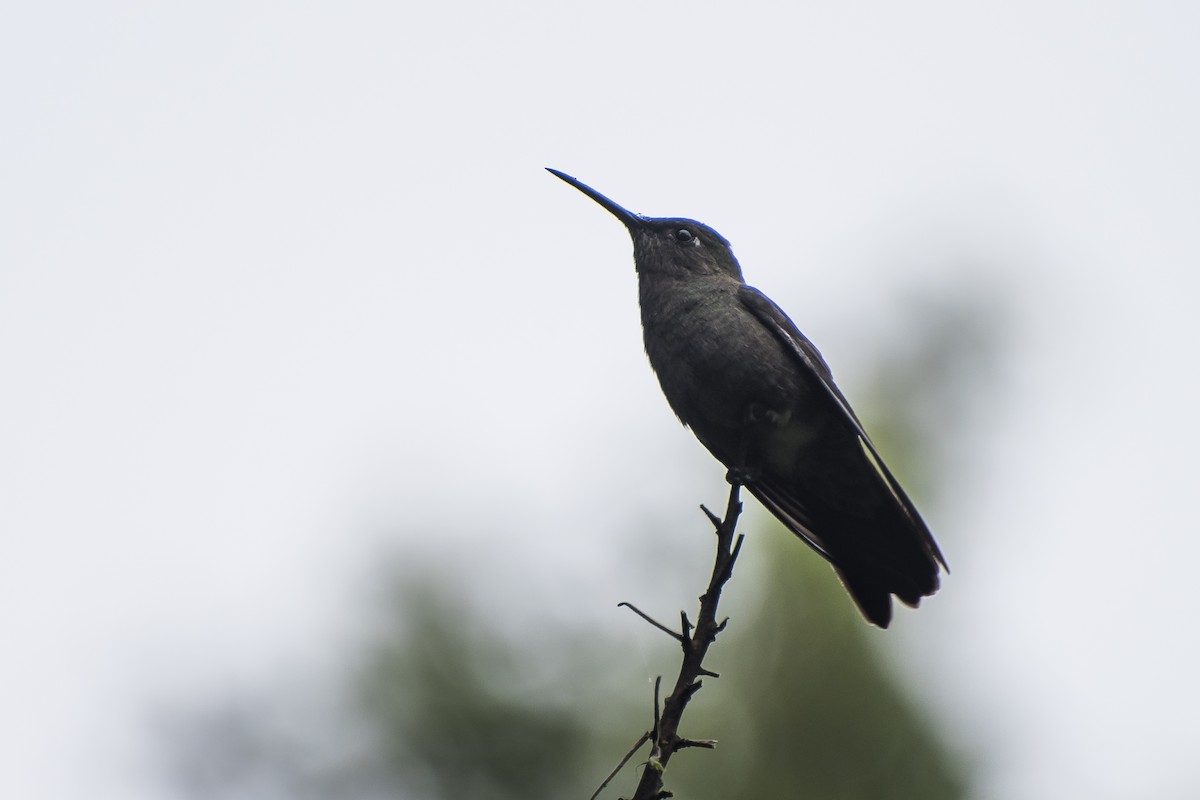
x=717 y=364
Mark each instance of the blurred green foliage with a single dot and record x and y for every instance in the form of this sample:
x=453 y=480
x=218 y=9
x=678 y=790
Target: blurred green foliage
x=442 y=705
x=807 y=706
x=459 y=713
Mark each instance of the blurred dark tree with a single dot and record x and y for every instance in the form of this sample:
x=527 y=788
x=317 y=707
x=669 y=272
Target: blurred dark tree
x=458 y=713
x=807 y=706
x=441 y=706
x=437 y=706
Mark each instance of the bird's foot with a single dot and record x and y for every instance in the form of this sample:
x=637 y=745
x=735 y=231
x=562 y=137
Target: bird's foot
x=741 y=475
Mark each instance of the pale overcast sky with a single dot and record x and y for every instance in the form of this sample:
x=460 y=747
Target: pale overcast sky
x=271 y=273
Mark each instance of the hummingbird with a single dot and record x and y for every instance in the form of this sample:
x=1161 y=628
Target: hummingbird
x=758 y=395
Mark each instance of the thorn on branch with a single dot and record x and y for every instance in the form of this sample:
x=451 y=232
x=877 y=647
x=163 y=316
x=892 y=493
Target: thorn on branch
x=737 y=548
x=657 y=687
x=686 y=624
x=707 y=744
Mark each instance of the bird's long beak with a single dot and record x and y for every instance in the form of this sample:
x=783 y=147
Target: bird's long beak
x=630 y=219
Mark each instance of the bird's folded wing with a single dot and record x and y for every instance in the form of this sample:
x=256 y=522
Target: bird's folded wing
x=809 y=359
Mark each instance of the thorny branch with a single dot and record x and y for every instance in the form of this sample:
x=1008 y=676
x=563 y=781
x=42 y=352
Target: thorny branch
x=664 y=737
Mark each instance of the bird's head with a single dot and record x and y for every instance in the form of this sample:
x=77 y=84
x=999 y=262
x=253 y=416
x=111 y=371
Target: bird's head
x=666 y=246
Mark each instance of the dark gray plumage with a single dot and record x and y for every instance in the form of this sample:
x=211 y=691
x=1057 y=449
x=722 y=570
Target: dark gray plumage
x=758 y=395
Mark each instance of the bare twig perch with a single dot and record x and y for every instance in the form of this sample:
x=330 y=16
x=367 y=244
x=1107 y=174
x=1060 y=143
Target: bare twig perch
x=664 y=738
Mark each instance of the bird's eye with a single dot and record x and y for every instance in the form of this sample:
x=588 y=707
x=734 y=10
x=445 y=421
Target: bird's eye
x=683 y=235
